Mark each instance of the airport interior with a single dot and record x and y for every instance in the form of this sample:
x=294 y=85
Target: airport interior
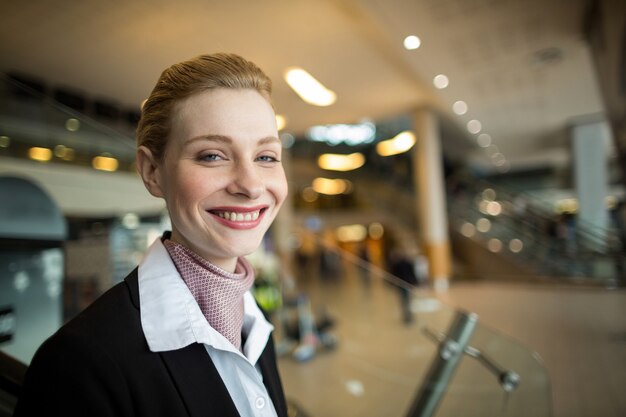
x=480 y=142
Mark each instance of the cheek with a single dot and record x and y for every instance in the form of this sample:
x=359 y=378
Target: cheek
x=189 y=189
x=280 y=188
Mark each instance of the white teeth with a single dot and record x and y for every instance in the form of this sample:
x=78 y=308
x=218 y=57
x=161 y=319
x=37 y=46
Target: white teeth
x=239 y=217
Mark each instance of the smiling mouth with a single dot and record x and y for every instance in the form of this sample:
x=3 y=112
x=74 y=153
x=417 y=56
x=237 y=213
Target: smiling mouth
x=233 y=216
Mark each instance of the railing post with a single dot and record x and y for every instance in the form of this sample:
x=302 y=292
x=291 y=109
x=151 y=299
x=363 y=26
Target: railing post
x=451 y=350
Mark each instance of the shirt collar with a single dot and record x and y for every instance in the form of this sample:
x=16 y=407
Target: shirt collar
x=171 y=318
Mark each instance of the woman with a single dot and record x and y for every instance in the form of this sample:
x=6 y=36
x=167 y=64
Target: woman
x=182 y=335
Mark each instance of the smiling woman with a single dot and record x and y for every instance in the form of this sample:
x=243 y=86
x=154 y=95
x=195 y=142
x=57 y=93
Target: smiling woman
x=182 y=335
x=223 y=156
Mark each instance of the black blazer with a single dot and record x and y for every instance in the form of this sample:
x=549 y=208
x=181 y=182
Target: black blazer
x=99 y=364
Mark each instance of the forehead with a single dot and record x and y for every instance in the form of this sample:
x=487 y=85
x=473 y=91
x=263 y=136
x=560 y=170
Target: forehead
x=229 y=112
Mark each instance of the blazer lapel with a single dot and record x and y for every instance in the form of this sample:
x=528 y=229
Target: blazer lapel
x=198 y=382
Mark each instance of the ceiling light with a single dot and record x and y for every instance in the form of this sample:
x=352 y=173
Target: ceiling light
x=498 y=159
x=281 y=122
x=474 y=126
x=5 y=141
x=309 y=195
x=412 y=42
x=63 y=152
x=483 y=225
x=68 y=154
x=131 y=221
x=376 y=230
x=287 y=139
x=308 y=88
x=468 y=229
x=337 y=162
x=40 y=154
x=516 y=245
x=484 y=140
x=459 y=107
x=353 y=134
x=440 y=81
x=402 y=142
x=72 y=124
x=351 y=233
x=330 y=186
x=494 y=208
x=494 y=245
x=105 y=163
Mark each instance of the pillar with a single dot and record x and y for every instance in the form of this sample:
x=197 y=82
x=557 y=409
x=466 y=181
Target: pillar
x=590 y=144
x=431 y=197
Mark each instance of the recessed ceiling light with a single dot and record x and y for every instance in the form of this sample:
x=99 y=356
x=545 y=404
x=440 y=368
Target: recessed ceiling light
x=412 y=42
x=40 y=154
x=484 y=140
x=338 y=162
x=72 y=124
x=459 y=107
x=474 y=126
x=5 y=141
x=105 y=162
x=441 y=81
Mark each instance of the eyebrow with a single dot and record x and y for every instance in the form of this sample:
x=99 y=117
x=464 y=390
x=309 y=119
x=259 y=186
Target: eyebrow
x=228 y=139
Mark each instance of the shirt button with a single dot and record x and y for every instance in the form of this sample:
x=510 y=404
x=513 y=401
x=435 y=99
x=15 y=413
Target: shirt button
x=259 y=402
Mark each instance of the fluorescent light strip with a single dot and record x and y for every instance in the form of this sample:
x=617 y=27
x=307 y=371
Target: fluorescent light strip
x=308 y=88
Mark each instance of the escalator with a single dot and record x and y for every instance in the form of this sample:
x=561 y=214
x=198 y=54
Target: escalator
x=494 y=237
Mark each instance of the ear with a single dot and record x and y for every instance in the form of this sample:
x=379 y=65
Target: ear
x=150 y=171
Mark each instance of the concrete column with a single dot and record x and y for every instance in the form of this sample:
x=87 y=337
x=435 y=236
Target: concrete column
x=431 y=197
x=590 y=143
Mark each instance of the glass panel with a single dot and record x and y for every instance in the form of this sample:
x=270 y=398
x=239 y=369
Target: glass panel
x=371 y=362
x=31 y=284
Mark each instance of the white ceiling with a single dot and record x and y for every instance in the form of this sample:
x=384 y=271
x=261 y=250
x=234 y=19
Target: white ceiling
x=117 y=48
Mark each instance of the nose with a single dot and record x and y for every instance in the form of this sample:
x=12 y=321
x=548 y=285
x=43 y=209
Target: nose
x=246 y=182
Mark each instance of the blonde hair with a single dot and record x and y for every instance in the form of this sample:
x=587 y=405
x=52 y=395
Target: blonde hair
x=182 y=80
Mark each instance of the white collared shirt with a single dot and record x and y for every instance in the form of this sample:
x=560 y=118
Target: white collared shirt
x=171 y=319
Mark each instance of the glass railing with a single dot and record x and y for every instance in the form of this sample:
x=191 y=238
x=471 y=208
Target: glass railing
x=347 y=351
x=533 y=238
x=31 y=119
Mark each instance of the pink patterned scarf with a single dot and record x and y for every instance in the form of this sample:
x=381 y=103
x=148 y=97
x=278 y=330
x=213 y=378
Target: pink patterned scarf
x=218 y=293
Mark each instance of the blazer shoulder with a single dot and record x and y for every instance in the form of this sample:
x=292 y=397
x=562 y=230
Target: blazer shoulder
x=112 y=315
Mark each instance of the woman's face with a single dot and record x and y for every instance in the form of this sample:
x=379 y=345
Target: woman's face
x=221 y=176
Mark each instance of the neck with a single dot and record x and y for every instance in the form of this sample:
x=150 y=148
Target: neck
x=227 y=264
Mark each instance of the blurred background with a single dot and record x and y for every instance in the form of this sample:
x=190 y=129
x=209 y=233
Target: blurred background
x=456 y=173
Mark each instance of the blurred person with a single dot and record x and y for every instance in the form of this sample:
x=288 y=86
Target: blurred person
x=402 y=267
x=182 y=335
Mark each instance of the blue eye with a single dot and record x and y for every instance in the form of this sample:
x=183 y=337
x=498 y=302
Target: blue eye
x=267 y=158
x=210 y=157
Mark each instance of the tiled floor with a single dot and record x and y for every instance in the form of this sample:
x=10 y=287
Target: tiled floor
x=379 y=363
